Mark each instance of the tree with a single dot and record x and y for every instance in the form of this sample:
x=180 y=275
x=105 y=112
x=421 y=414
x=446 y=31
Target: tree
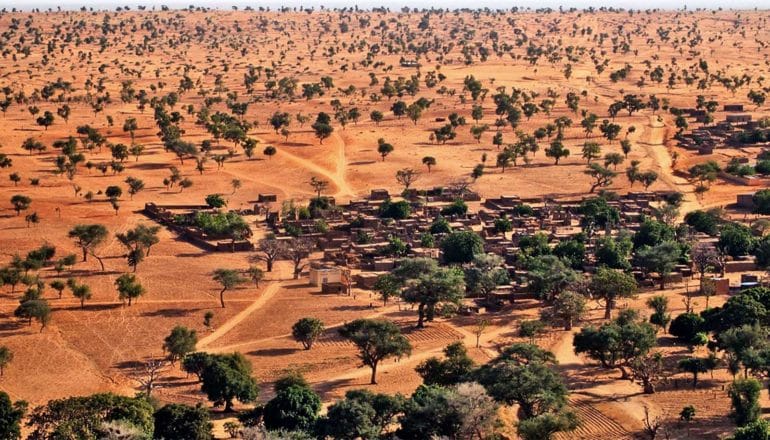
x=88 y=238
x=228 y=279
x=322 y=127
x=179 y=343
x=134 y=186
x=215 y=201
x=528 y=382
x=744 y=397
x=318 y=185
x=89 y=417
x=256 y=274
x=647 y=370
x=609 y=285
x=34 y=308
x=306 y=331
x=465 y=411
x=661 y=258
x=228 y=377
x=735 y=240
x=128 y=288
x=196 y=363
x=616 y=344
x=130 y=126
x=376 y=116
x=602 y=177
x=428 y=285
x=456 y=367
x=477 y=172
x=544 y=426
x=484 y=274
x=361 y=415
x=294 y=408
x=376 y=340
x=694 y=366
x=183 y=422
x=269 y=151
x=11 y=414
x=81 y=292
x=406 y=177
x=557 y=151
x=384 y=148
x=387 y=286
x=297 y=251
x=548 y=276
x=429 y=161
x=566 y=308
x=271 y=250
x=138 y=242
x=461 y=246
x=757 y=430
x=6 y=357
x=625 y=147
x=20 y=203
x=591 y=151
x=414 y=112
x=660 y=316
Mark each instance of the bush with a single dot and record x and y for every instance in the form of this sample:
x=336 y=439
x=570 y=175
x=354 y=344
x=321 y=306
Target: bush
x=763 y=167
x=744 y=397
x=761 y=201
x=458 y=207
x=686 y=326
x=395 y=210
x=702 y=221
x=293 y=408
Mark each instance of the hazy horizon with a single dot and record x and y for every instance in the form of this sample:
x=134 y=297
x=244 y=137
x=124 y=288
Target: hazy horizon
x=397 y=4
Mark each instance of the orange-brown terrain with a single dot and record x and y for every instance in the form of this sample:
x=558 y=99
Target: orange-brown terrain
x=106 y=64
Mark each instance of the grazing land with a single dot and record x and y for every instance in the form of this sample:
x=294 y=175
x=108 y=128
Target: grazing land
x=578 y=197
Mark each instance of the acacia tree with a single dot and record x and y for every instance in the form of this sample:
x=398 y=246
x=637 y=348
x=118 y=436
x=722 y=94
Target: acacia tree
x=376 y=340
x=228 y=279
x=128 y=288
x=88 y=238
x=429 y=161
x=20 y=203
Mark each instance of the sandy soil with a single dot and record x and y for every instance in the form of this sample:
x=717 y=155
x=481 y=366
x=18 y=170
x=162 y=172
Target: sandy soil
x=98 y=347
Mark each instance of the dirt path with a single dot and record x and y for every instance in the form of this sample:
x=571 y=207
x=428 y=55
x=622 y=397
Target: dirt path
x=264 y=296
x=655 y=134
x=337 y=177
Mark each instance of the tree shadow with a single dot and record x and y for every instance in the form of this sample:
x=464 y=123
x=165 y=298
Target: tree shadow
x=92 y=308
x=171 y=313
x=351 y=308
x=273 y=352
